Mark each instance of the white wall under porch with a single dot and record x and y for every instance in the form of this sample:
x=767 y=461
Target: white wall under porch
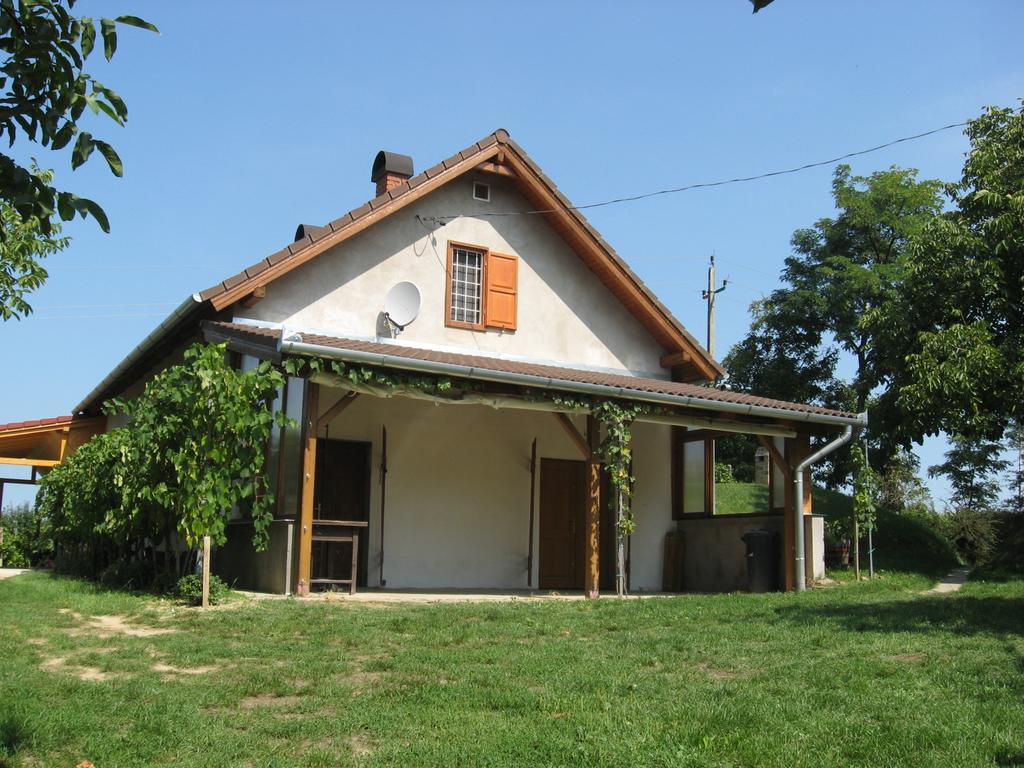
x=458 y=491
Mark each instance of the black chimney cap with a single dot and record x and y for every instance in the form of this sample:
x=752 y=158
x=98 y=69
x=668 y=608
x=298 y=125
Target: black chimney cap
x=393 y=163
x=308 y=229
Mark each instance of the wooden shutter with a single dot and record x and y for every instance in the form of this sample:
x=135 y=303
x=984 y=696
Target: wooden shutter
x=502 y=277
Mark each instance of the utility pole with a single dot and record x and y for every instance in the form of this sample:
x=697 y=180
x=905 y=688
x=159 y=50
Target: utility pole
x=709 y=297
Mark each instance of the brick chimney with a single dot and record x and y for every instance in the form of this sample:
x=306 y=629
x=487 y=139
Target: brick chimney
x=389 y=170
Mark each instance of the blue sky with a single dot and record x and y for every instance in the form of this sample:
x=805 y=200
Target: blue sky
x=249 y=118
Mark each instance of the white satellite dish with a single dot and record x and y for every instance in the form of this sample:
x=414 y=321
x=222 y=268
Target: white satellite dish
x=402 y=304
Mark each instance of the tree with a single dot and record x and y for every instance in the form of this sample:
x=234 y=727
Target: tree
x=197 y=451
x=1015 y=443
x=899 y=485
x=22 y=250
x=951 y=339
x=840 y=269
x=972 y=467
x=45 y=92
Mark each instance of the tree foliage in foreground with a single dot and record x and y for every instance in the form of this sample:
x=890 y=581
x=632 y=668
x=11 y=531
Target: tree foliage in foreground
x=44 y=93
x=192 y=453
x=22 y=251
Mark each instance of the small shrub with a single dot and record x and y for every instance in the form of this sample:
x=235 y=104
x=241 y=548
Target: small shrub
x=723 y=473
x=190 y=589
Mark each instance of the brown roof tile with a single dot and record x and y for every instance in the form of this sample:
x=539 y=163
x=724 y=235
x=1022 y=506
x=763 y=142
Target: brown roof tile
x=556 y=373
x=16 y=425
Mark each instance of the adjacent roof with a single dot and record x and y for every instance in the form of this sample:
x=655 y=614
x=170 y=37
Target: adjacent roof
x=14 y=426
x=43 y=443
x=251 y=338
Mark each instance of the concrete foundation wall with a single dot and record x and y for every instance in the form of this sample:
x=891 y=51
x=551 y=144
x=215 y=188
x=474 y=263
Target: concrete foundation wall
x=714 y=554
x=238 y=563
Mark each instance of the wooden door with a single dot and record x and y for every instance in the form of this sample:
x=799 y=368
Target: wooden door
x=342 y=492
x=563 y=500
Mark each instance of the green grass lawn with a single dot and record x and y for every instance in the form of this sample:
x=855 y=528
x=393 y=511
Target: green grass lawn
x=851 y=675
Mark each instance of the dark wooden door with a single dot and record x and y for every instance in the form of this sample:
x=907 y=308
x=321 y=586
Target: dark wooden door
x=342 y=492
x=563 y=499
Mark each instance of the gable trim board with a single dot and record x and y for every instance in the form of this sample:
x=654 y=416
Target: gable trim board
x=277 y=342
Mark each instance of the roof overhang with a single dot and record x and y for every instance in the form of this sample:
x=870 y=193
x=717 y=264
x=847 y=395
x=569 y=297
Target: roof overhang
x=689 y=397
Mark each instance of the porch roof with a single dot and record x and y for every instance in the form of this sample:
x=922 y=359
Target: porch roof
x=269 y=342
x=43 y=443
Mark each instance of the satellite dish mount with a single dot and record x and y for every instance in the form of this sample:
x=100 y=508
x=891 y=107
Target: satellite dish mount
x=402 y=305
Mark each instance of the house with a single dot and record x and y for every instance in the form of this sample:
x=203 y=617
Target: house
x=498 y=285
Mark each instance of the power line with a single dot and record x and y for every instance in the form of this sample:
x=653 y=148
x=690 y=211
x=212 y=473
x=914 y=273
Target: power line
x=708 y=184
x=94 y=317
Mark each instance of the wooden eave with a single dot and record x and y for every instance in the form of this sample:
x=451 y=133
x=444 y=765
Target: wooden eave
x=46 y=445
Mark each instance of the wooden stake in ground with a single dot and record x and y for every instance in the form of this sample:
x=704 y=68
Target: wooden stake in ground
x=206 y=571
x=856 y=547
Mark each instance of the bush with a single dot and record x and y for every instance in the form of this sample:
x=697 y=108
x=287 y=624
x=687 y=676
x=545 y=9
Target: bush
x=190 y=589
x=973 y=532
x=723 y=473
x=28 y=540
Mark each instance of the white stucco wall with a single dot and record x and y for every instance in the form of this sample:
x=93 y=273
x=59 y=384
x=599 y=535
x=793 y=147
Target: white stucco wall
x=565 y=313
x=458 y=491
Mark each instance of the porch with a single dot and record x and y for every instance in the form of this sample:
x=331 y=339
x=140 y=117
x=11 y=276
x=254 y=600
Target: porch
x=492 y=484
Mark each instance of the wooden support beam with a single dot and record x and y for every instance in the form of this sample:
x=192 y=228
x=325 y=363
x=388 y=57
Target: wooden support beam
x=18 y=480
x=308 y=483
x=788 y=522
x=331 y=413
x=676 y=358
x=574 y=434
x=258 y=294
x=29 y=462
x=592 y=540
x=693 y=435
x=496 y=168
x=777 y=458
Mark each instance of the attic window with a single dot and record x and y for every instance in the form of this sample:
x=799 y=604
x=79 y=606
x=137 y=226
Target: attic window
x=482 y=290
x=481 y=191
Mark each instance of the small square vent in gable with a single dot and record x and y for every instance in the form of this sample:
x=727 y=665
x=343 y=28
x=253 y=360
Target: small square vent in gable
x=481 y=191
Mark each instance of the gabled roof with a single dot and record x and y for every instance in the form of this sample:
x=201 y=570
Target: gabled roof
x=250 y=338
x=496 y=153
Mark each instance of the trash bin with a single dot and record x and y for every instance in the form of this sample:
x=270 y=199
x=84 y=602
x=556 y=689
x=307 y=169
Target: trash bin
x=762 y=560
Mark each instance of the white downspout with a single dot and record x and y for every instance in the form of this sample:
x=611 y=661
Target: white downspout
x=798 y=497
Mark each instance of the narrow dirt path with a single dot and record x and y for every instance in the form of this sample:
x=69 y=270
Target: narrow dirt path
x=6 y=573
x=952 y=583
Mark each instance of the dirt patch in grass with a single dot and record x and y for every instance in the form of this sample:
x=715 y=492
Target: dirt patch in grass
x=909 y=658
x=170 y=672
x=268 y=700
x=60 y=664
x=360 y=745
x=109 y=626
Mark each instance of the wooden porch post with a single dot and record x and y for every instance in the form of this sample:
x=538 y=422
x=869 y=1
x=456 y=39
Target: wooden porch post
x=797 y=449
x=309 y=422
x=592 y=542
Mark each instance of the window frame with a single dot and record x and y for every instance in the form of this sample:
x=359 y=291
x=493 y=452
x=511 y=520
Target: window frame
x=449 y=274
